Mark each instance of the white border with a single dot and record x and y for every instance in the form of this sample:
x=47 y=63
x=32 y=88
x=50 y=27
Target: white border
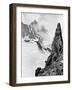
x=19 y=79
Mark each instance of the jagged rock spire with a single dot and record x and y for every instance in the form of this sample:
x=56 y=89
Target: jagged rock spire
x=53 y=65
x=57 y=45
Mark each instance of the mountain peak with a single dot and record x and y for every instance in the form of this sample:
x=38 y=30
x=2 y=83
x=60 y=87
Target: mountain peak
x=34 y=22
x=57 y=44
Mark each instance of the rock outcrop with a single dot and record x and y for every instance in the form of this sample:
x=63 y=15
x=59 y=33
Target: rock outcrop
x=54 y=63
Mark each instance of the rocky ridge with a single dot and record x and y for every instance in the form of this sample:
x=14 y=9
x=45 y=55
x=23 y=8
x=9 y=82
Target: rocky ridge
x=54 y=63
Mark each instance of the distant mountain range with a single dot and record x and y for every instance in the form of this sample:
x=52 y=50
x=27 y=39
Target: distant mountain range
x=28 y=30
x=33 y=30
x=32 y=33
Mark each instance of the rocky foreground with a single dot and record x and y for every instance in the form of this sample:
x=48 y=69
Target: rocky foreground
x=54 y=63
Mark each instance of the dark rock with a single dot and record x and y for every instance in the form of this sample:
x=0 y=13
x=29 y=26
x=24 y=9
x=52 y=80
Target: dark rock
x=57 y=45
x=37 y=71
x=53 y=64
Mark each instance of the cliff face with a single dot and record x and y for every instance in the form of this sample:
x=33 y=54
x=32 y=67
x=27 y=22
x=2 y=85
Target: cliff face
x=54 y=63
